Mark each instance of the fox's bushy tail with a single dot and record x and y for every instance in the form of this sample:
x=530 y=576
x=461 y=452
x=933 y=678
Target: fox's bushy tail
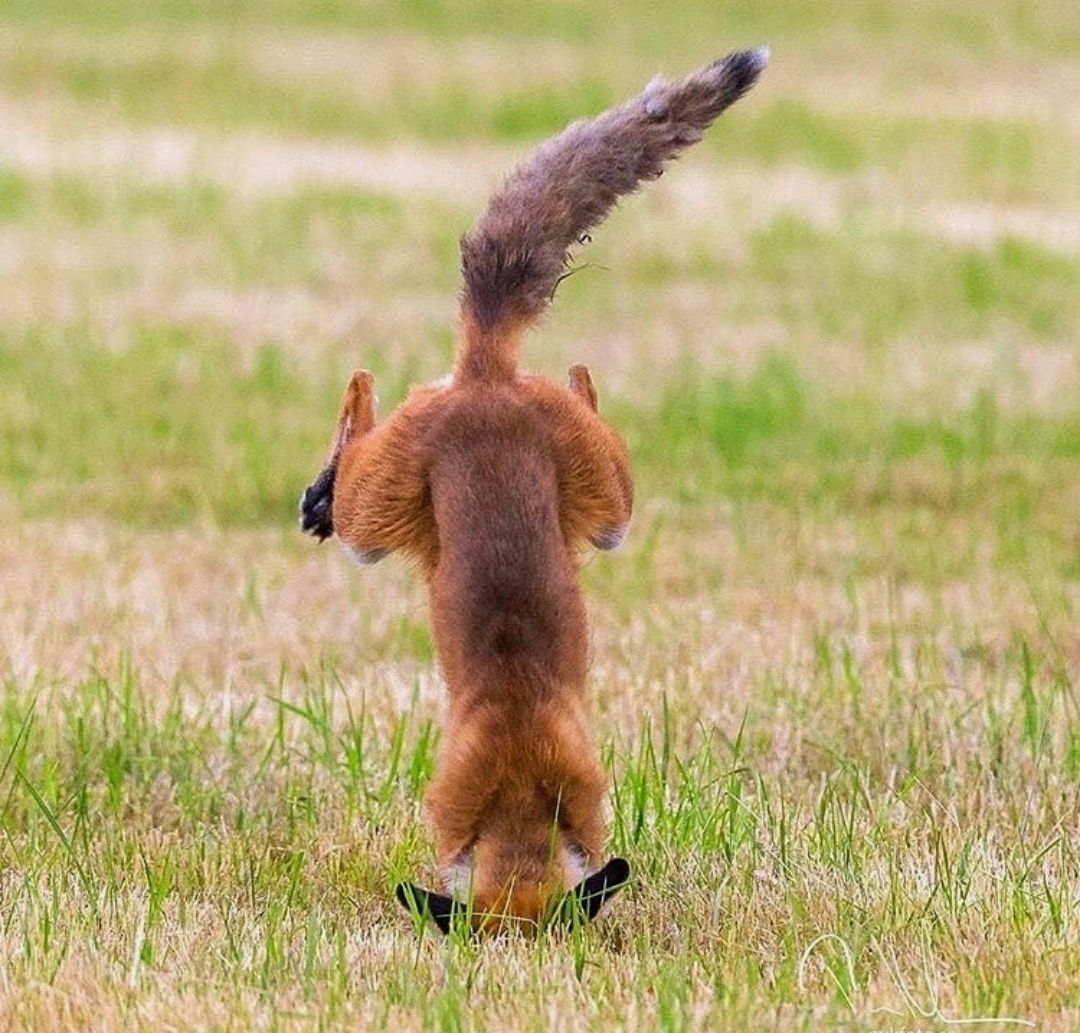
x=513 y=258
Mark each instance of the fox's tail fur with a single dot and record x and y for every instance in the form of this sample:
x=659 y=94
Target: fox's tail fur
x=514 y=257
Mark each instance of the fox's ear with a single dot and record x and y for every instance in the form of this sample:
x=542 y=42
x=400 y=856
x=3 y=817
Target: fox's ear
x=594 y=891
x=428 y=904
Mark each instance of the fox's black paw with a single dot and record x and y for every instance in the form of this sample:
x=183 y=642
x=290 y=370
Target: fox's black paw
x=317 y=504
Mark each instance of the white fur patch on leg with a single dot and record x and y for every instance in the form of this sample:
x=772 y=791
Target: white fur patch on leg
x=458 y=877
x=573 y=864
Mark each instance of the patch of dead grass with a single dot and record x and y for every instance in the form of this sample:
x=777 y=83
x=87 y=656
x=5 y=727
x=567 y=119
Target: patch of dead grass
x=221 y=613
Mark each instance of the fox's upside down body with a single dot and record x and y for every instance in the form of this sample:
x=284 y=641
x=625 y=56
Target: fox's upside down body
x=491 y=482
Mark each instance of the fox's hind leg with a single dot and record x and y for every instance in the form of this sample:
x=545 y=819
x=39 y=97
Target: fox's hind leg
x=598 y=485
x=581 y=384
x=357 y=417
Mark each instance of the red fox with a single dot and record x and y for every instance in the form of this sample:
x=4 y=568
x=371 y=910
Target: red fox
x=491 y=482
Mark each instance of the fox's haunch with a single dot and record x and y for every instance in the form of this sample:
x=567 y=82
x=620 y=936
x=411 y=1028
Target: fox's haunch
x=513 y=258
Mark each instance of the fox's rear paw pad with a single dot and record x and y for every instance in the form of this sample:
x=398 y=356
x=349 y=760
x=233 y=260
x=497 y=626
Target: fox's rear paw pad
x=316 y=506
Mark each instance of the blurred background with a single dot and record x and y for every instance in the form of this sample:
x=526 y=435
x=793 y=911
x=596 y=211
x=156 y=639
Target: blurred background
x=210 y=213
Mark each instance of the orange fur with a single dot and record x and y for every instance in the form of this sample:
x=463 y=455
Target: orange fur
x=491 y=488
x=492 y=482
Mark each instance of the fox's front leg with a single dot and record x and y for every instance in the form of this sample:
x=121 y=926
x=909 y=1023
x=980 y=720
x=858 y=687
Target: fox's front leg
x=357 y=417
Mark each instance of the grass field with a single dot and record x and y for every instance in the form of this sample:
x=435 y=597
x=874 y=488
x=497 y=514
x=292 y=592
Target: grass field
x=836 y=669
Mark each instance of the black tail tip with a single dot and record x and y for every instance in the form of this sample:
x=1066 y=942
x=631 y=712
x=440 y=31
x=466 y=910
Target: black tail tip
x=754 y=61
x=744 y=66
